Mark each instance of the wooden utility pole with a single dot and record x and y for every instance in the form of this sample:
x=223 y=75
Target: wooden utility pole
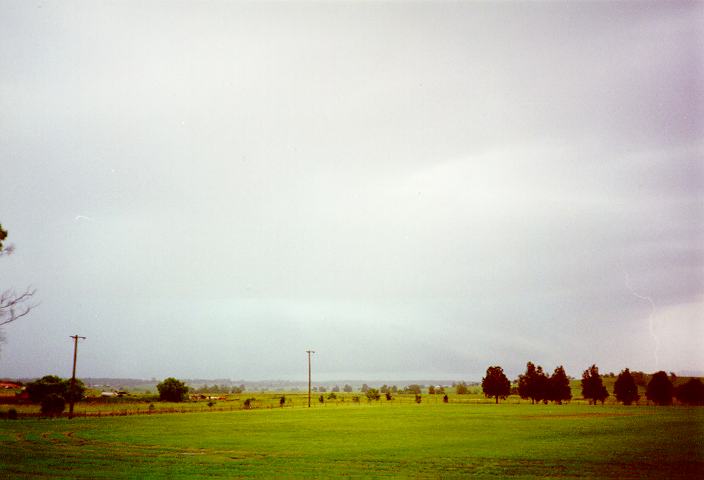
x=73 y=375
x=309 y=352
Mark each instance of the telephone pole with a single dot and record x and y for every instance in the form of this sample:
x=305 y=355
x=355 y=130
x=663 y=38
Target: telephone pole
x=309 y=352
x=73 y=375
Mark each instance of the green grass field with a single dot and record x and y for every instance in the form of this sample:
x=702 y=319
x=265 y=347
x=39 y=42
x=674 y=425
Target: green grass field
x=405 y=440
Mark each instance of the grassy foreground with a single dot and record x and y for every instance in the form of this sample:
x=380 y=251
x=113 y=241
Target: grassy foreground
x=518 y=441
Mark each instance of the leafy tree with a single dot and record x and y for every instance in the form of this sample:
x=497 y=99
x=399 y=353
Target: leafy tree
x=413 y=388
x=691 y=393
x=53 y=405
x=45 y=386
x=593 y=388
x=347 y=388
x=559 y=386
x=322 y=389
x=659 y=390
x=431 y=390
x=364 y=388
x=336 y=388
x=418 y=398
x=495 y=384
x=461 y=388
x=388 y=396
x=542 y=386
x=53 y=385
x=625 y=388
x=373 y=394
x=533 y=384
x=172 y=390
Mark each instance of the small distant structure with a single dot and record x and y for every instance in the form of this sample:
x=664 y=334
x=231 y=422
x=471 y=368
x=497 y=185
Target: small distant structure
x=10 y=386
x=113 y=394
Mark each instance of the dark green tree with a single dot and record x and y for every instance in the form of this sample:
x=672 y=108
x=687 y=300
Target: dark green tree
x=625 y=388
x=533 y=383
x=541 y=389
x=53 y=385
x=495 y=384
x=659 y=390
x=593 y=388
x=559 y=386
x=691 y=393
x=172 y=390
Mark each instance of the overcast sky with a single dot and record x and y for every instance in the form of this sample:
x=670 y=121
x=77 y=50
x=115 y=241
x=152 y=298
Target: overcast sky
x=413 y=190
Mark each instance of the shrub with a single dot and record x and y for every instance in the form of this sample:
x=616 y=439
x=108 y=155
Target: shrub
x=373 y=394
x=53 y=405
x=332 y=396
x=445 y=399
x=691 y=393
x=418 y=398
x=282 y=401
x=388 y=396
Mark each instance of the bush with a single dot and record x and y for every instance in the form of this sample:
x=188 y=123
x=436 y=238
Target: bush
x=282 y=401
x=418 y=398
x=53 y=405
x=373 y=394
x=388 y=396
x=691 y=393
x=172 y=390
x=461 y=388
x=332 y=396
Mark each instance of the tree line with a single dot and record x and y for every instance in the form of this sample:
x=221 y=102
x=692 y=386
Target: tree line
x=538 y=386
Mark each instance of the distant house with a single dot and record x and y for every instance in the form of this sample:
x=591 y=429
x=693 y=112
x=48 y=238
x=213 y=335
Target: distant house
x=10 y=386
